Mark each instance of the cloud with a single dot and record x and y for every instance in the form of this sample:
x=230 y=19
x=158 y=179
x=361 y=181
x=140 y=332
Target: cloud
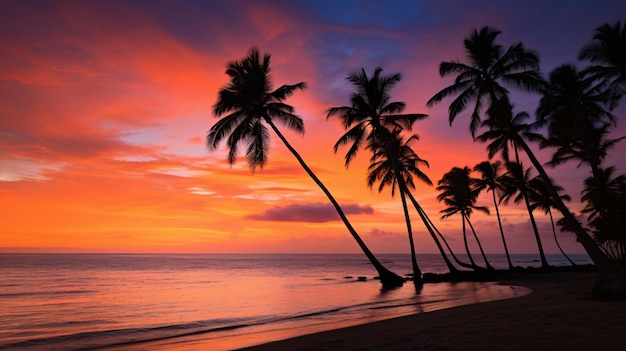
x=377 y=233
x=313 y=213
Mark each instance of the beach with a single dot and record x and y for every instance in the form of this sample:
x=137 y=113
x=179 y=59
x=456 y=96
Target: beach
x=558 y=315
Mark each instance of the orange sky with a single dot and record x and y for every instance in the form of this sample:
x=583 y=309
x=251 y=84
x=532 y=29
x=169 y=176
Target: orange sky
x=104 y=108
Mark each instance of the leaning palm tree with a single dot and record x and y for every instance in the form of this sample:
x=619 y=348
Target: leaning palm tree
x=607 y=51
x=516 y=186
x=250 y=105
x=385 y=162
x=483 y=78
x=540 y=199
x=370 y=115
x=490 y=180
x=371 y=112
x=460 y=197
x=611 y=281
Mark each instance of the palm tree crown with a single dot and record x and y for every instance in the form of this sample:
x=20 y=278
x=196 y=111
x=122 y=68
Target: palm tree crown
x=382 y=167
x=370 y=111
x=250 y=101
x=488 y=67
x=608 y=51
x=457 y=192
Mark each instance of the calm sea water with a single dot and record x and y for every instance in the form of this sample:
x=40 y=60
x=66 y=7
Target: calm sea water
x=76 y=301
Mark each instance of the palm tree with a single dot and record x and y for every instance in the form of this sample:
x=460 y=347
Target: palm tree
x=384 y=165
x=370 y=112
x=250 y=104
x=505 y=131
x=370 y=117
x=605 y=197
x=488 y=67
x=573 y=107
x=457 y=193
x=490 y=180
x=516 y=186
x=608 y=51
x=540 y=199
x=610 y=281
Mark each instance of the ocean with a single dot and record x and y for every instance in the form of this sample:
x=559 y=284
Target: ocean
x=151 y=302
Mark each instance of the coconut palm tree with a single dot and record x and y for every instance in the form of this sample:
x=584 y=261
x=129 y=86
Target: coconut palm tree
x=385 y=162
x=482 y=79
x=611 y=282
x=540 y=199
x=504 y=133
x=369 y=118
x=605 y=198
x=490 y=180
x=574 y=108
x=370 y=111
x=250 y=104
x=607 y=51
x=460 y=197
x=516 y=184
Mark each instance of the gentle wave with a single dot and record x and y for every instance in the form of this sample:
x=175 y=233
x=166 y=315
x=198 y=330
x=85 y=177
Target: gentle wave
x=129 y=336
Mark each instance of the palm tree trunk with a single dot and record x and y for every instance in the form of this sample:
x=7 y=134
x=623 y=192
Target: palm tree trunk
x=557 y=240
x=482 y=252
x=469 y=255
x=506 y=249
x=417 y=273
x=544 y=261
x=611 y=282
x=431 y=230
x=591 y=247
x=387 y=277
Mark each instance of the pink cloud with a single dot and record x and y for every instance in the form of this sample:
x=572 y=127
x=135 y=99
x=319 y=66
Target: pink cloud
x=314 y=213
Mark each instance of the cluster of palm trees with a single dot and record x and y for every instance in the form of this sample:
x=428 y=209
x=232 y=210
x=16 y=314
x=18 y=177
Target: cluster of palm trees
x=574 y=112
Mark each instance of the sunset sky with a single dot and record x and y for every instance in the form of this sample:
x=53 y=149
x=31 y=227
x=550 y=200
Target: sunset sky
x=104 y=107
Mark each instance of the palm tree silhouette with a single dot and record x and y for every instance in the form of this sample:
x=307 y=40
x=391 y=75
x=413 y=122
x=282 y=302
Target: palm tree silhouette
x=608 y=51
x=481 y=79
x=516 y=184
x=574 y=109
x=540 y=199
x=457 y=193
x=467 y=85
x=250 y=104
x=371 y=111
x=605 y=197
x=370 y=117
x=385 y=162
x=490 y=180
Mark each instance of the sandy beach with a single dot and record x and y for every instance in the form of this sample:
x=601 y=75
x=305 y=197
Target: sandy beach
x=558 y=315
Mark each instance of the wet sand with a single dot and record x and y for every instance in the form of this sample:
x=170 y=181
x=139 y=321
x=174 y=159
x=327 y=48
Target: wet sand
x=558 y=315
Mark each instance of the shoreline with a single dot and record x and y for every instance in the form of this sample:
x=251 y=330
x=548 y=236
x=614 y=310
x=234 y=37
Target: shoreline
x=558 y=314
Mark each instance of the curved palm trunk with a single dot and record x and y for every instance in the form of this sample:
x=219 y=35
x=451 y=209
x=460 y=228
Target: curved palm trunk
x=544 y=262
x=417 y=273
x=469 y=255
x=557 y=240
x=431 y=230
x=387 y=277
x=542 y=255
x=482 y=252
x=611 y=282
x=506 y=249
